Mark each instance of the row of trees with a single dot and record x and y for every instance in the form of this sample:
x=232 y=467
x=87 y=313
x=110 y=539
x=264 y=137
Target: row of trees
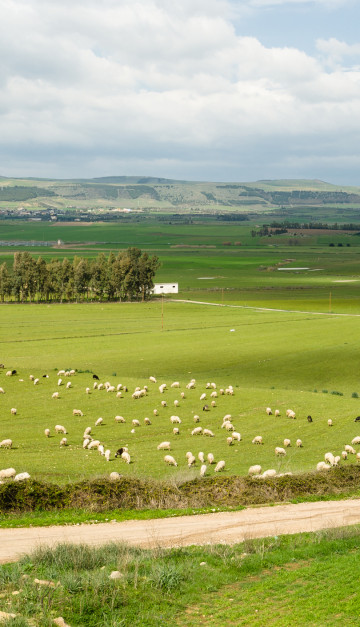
x=126 y=276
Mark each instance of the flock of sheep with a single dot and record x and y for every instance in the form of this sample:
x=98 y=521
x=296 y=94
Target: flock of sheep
x=207 y=401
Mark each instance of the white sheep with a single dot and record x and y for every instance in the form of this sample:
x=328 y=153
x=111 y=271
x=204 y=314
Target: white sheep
x=236 y=436
x=211 y=458
x=358 y=457
x=119 y=387
x=55 y=395
x=277 y=412
x=188 y=454
x=268 y=411
x=207 y=386
x=203 y=470
x=69 y=384
x=101 y=449
x=36 y=381
x=99 y=422
x=60 y=429
x=356 y=440
x=9 y=373
x=290 y=413
x=72 y=372
x=196 y=418
x=322 y=466
x=135 y=422
x=182 y=394
x=86 y=442
x=94 y=444
x=126 y=457
x=2 y=391
x=280 y=451
x=110 y=388
x=63 y=442
x=344 y=454
x=229 y=426
x=176 y=403
x=269 y=473
x=163 y=404
x=175 y=384
x=330 y=459
x=13 y=411
x=7 y=473
x=7 y=443
x=164 y=446
x=155 y=412
x=258 y=440
x=191 y=461
x=349 y=449
x=119 y=419
x=287 y=442
x=213 y=395
x=118 y=395
x=254 y=470
x=196 y=431
x=330 y=422
x=47 y=433
x=208 y=432
x=22 y=476
x=147 y=421
x=176 y=431
x=175 y=420
x=229 y=441
x=201 y=457
x=152 y=379
x=31 y=377
x=169 y=459
x=61 y=373
x=114 y=476
x=162 y=388
x=59 y=382
x=107 y=454
x=77 y=412
x=299 y=443
x=220 y=466
x=87 y=431
x=213 y=385
x=337 y=459
x=95 y=384
x=100 y=386
x=203 y=397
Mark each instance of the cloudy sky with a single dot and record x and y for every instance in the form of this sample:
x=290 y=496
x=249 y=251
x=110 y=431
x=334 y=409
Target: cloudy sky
x=223 y=90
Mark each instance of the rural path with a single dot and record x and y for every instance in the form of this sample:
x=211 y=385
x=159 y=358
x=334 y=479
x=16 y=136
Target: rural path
x=221 y=527
x=297 y=311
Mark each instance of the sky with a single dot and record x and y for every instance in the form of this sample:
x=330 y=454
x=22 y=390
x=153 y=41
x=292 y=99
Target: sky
x=210 y=90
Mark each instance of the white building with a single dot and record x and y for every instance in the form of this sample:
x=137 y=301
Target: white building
x=165 y=288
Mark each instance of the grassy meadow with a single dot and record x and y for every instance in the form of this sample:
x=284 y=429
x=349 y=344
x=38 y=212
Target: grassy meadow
x=307 y=362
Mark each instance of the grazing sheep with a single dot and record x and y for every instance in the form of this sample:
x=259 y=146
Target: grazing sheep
x=209 y=433
x=9 y=373
x=95 y=377
x=213 y=394
x=213 y=404
x=207 y=386
x=269 y=473
x=344 y=454
x=118 y=395
x=330 y=422
x=229 y=426
x=47 y=433
x=99 y=422
x=220 y=466
x=59 y=382
x=229 y=441
x=229 y=390
x=110 y=388
x=299 y=443
x=287 y=442
x=152 y=379
x=349 y=449
x=168 y=459
x=107 y=454
x=236 y=436
x=162 y=388
x=322 y=466
x=163 y=404
x=126 y=457
x=119 y=387
x=22 y=476
x=213 y=385
x=164 y=446
x=175 y=384
x=357 y=419
x=268 y=411
x=358 y=457
x=7 y=443
x=290 y=413
x=206 y=408
x=135 y=423
x=100 y=386
x=258 y=440
x=211 y=458
x=94 y=444
x=7 y=473
x=155 y=412
x=55 y=395
x=175 y=420
x=119 y=419
x=330 y=459
x=277 y=412
x=77 y=412
x=176 y=403
x=60 y=429
x=2 y=391
x=196 y=418
x=87 y=431
x=196 y=431
x=309 y=419
x=13 y=411
x=203 y=470
x=176 y=431
x=201 y=457
x=254 y=470
x=101 y=449
x=191 y=461
x=188 y=454
x=86 y=442
x=63 y=442
x=280 y=451
x=95 y=385
x=61 y=373
x=203 y=397
x=337 y=459
x=121 y=450
x=68 y=385
x=147 y=421
x=356 y=440
x=114 y=476
x=191 y=384
x=31 y=377
x=36 y=381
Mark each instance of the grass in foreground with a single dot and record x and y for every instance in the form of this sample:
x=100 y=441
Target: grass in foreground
x=279 y=580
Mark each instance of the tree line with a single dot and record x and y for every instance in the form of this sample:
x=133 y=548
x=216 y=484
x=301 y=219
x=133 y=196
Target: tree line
x=126 y=276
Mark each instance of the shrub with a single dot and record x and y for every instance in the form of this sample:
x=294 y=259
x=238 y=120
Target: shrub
x=354 y=395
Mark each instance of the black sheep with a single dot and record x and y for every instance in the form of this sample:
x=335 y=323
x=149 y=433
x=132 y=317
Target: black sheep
x=95 y=377
x=119 y=452
x=357 y=419
x=309 y=419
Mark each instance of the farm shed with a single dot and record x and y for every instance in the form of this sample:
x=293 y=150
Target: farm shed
x=165 y=288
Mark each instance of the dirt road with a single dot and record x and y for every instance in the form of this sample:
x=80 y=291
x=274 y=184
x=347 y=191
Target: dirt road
x=228 y=527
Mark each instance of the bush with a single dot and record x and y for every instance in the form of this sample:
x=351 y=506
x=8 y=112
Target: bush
x=354 y=395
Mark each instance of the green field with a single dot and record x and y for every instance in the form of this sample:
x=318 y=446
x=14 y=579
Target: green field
x=307 y=362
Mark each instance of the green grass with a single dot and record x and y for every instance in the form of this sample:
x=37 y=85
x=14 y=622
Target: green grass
x=245 y=584
x=272 y=359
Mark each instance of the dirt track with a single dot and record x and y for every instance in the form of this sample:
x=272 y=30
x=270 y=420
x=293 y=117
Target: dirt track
x=229 y=527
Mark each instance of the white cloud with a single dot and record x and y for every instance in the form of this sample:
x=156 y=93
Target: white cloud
x=113 y=84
